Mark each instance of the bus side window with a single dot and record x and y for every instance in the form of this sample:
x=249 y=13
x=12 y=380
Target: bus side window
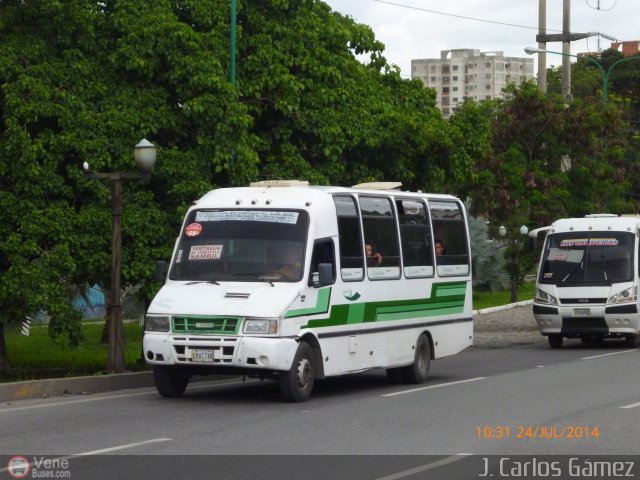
x=415 y=236
x=379 y=224
x=350 y=238
x=449 y=226
x=323 y=252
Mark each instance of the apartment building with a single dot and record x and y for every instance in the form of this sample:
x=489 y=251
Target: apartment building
x=629 y=47
x=468 y=73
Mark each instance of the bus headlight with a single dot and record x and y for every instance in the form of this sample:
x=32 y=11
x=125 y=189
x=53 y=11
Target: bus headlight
x=544 y=297
x=263 y=326
x=625 y=296
x=156 y=323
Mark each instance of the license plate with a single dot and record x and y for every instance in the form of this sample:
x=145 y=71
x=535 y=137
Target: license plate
x=581 y=312
x=203 y=356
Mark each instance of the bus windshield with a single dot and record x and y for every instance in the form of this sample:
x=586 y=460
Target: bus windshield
x=587 y=258
x=241 y=246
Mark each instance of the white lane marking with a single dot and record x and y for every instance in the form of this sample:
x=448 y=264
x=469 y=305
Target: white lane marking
x=429 y=466
x=121 y=447
x=632 y=405
x=103 y=450
x=432 y=386
x=148 y=391
x=609 y=354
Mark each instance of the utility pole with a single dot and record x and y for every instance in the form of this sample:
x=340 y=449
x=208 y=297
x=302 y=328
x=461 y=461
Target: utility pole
x=232 y=43
x=566 y=50
x=542 y=57
x=566 y=37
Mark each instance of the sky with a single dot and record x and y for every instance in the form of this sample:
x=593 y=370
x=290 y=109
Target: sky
x=410 y=29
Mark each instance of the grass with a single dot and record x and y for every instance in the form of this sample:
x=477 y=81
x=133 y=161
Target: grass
x=37 y=356
x=482 y=299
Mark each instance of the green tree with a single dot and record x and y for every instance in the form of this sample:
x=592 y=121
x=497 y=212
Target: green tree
x=524 y=177
x=85 y=80
x=322 y=116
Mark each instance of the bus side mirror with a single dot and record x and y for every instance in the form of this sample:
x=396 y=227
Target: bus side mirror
x=325 y=274
x=161 y=271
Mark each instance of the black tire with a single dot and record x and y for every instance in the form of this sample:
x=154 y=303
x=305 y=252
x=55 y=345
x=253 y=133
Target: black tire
x=555 y=341
x=418 y=371
x=297 y=383
x=633 y=341
x=168 y=383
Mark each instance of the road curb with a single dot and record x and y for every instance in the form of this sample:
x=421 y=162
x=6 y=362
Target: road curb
x=53 y=387
x=503 y=307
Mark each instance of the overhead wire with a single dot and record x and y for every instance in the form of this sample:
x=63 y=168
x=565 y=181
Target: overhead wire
x=464 y=17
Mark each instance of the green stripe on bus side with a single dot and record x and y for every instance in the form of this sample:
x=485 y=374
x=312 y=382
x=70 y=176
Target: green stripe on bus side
x=418 y=307
x=446 y=299
x=356 y=313
x=431 y=312
x=450 y=288
x=321 y=306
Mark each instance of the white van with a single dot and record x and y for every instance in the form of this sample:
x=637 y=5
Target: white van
x=587 y=284
x=272 y=281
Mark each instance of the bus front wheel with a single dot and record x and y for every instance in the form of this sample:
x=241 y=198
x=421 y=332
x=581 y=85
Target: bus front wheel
x=297 y=383
x=633 y=340
x=168 y=383
x=418 y=372
x=555 y=341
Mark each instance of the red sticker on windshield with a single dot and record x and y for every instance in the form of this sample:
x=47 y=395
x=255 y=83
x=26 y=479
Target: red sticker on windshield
x=193 y=230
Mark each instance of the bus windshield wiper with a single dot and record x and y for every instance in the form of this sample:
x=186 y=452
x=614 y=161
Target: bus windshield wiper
x=571 y=272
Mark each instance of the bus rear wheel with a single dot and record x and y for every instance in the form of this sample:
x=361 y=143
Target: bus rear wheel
x=168 y=383
x=418 y=371
x=297 y=383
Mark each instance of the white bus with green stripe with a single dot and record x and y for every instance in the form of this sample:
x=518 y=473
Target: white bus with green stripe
x=272 y=281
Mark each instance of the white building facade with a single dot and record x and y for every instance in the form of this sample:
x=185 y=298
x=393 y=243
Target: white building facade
x=468 y=73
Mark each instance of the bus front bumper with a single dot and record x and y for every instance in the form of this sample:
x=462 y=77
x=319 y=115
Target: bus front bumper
x=252 y=353
x=574 y=321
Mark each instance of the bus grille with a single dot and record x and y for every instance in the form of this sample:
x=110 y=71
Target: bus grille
x=199 y=325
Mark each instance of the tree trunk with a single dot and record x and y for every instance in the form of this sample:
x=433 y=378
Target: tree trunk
x=5 y=365
x=107 y=322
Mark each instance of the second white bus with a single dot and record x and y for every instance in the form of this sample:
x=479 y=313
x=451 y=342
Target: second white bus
x=587 y=284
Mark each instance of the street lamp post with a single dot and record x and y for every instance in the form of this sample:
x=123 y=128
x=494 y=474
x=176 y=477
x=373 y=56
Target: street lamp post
x=514 y=244
x=232 y=43
x=605 y=75
x=145 y=156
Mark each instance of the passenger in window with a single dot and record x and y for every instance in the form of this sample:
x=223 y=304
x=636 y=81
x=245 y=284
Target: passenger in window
x=440 y=248
x=373 y=259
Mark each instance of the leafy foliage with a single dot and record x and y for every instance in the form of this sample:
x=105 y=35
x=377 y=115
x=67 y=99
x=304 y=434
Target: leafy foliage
x=521 y=178
x=85 y=80
x=488 y=257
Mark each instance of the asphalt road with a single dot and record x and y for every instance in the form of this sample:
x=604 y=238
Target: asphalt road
x=527 y=400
